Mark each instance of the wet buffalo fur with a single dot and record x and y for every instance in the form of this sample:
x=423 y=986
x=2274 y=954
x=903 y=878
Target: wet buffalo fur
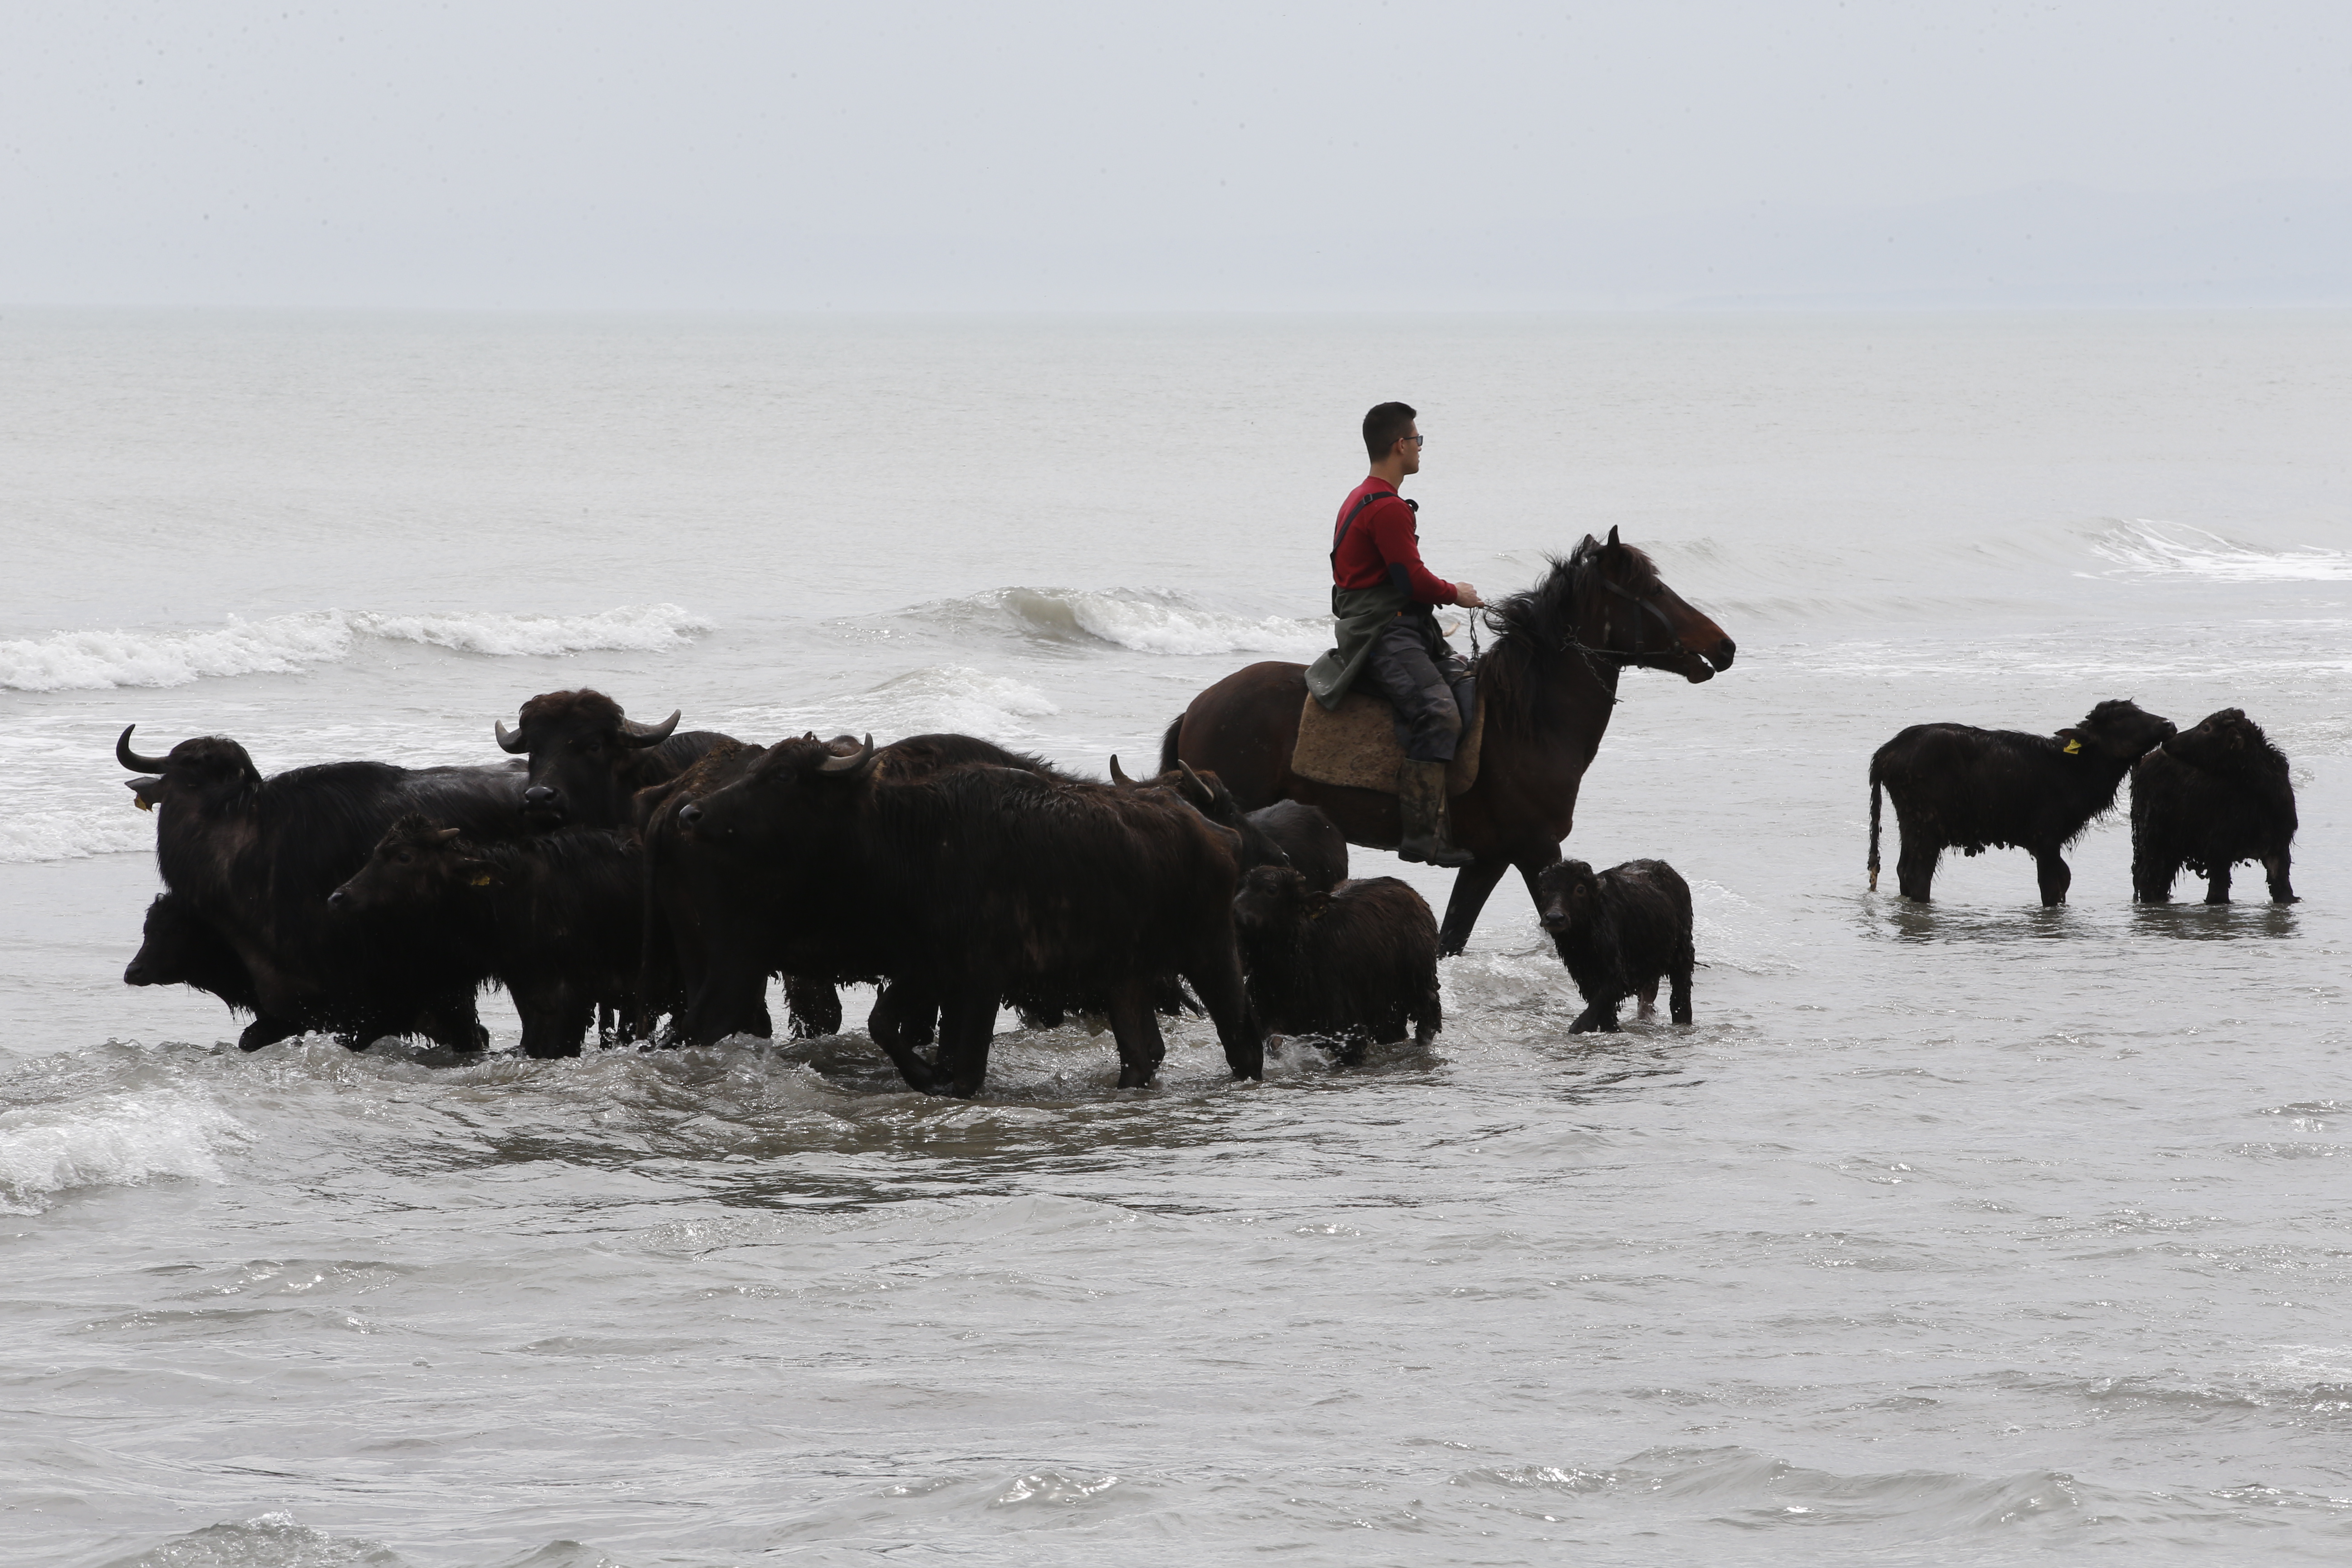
x=254 y=859
x=724 y=932
x=588 y=760
x=555 y=919
x=977 y=882
x=1958 y=787
x=1205 y=793
x=1357 y=964
x=178 y=947
x=1619 y=931
x=2206 y=799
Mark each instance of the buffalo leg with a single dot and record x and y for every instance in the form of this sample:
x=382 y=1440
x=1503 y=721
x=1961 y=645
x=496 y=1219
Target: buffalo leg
x=1471 y=885
x=2217 y=883
x=1597 y=1018
x=553 y=1026
x=967 y=1027
x=1679 y=996
x=2152 y=878
x=1915 y=868
x=267 y=1030
x=1135 y=1024
x=898 y=1009
x=2275 y=868
x=812 y=1005
x=2050 y=871
x=1216 y=978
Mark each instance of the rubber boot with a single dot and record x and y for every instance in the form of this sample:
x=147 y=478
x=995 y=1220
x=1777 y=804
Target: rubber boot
x=1420 y=803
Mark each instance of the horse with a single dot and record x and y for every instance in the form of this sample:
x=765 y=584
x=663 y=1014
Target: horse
x=1547 y=685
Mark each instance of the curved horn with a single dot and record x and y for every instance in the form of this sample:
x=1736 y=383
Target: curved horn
x=854 y=767
x=1195 y=780
x=510 y=741
x=1119 y=776
x=132 y=760
x=444 y=835
x=636 y=734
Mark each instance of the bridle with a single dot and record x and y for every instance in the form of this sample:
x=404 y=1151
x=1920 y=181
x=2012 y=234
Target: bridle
x=1646 y=607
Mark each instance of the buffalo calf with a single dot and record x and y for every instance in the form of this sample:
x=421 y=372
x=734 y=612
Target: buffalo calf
x=1357 y=963
x=2208 y=798
x=1958 y=787
x=1619 y=931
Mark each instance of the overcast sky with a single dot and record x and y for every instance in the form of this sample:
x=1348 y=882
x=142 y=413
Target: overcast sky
x=1022 y=154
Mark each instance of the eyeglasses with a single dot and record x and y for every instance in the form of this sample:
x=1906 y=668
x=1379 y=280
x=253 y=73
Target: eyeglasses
x=1416 y=440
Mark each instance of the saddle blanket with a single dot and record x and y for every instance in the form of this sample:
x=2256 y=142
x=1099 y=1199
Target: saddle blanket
x=1356 y=746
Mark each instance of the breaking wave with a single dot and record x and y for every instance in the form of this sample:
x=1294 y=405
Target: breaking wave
x=1147 y=620
x=951 y=697
x=283 y=645
x=2178 y=550
x=117 y=1140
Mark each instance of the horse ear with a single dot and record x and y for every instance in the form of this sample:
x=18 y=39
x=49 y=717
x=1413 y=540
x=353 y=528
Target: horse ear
x=1612 y=536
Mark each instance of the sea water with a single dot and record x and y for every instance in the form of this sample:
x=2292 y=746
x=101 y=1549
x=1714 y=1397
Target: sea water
x=1969 y=1233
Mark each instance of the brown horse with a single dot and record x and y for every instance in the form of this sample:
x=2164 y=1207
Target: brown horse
x=1547 y=685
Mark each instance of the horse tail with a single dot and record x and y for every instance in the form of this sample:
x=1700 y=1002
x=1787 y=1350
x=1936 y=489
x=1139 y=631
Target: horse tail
x=1875 y=787
x=1168 y=744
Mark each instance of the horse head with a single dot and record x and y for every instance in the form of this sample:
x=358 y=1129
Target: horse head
x=1607 y=598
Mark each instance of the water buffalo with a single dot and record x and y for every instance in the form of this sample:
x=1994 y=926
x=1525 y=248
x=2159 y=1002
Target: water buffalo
x=255 y=858
x=1956 y=786
x=1620 y=932
x=557 y=919
x=1357 y=964
x=977 y=882
x=2208 y=798
x=588 y=760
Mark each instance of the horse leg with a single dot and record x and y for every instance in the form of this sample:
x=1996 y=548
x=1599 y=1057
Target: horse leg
x=1472 y=884
x=2217 y=882
x=2275 y=866
x=2050 y=871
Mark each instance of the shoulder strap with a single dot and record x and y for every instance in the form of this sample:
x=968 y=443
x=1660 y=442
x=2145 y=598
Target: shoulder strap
x=1349 y=521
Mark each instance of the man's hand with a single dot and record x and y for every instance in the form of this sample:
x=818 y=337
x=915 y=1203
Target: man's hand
x=1467 y=598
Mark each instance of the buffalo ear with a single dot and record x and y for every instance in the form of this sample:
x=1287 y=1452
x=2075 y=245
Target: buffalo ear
x=1318 y=904
x=1612 y=536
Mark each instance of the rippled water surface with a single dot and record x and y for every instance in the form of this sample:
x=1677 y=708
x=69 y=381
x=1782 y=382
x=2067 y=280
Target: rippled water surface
x=1973 y=1233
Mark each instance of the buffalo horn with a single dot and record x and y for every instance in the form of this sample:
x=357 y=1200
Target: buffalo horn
x=510 y=741
x=132 y=760
x=1118 y=775
x=1195 y=780
x=636 y=734
x=444 y=836
x=854 y=767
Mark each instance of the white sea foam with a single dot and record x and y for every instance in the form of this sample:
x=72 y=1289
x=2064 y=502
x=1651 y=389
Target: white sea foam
x=1147 y=620
x=2176 y=550
x=101 y=661
x=951 y=697
x=116 y=1140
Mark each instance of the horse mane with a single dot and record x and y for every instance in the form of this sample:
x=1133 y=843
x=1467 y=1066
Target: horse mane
x=1537 y=625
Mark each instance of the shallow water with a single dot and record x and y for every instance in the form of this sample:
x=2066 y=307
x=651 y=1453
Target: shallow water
x=1963 y=1233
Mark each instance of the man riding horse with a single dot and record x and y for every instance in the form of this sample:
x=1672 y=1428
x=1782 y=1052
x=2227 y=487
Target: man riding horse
x=1382 y=600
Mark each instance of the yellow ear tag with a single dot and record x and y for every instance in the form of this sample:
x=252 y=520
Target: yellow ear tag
x=483 y=880
x=2072 y=747
x=141 y=804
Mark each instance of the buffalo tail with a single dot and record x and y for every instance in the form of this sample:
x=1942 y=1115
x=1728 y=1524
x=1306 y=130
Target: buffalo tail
x=1875 y=787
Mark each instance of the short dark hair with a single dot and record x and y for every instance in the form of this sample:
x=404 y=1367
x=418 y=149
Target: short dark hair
x=1384 y=425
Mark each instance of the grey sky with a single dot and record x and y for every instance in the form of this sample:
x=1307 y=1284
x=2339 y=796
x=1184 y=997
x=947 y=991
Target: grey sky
x=1205 y=155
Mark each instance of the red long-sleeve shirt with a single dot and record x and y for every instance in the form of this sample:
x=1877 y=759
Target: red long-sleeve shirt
x=1382 y=544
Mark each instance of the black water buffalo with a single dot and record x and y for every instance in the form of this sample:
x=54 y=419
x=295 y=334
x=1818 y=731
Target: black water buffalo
x=725 y=932
x=977 y=882
x=1357 y=964
x=588 y=761
x=557 y=920
x=1317 y=849
x=1620 y=932
x=2208 y=798
x=255 y=858
x=1958 y=787
x=176 y=947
